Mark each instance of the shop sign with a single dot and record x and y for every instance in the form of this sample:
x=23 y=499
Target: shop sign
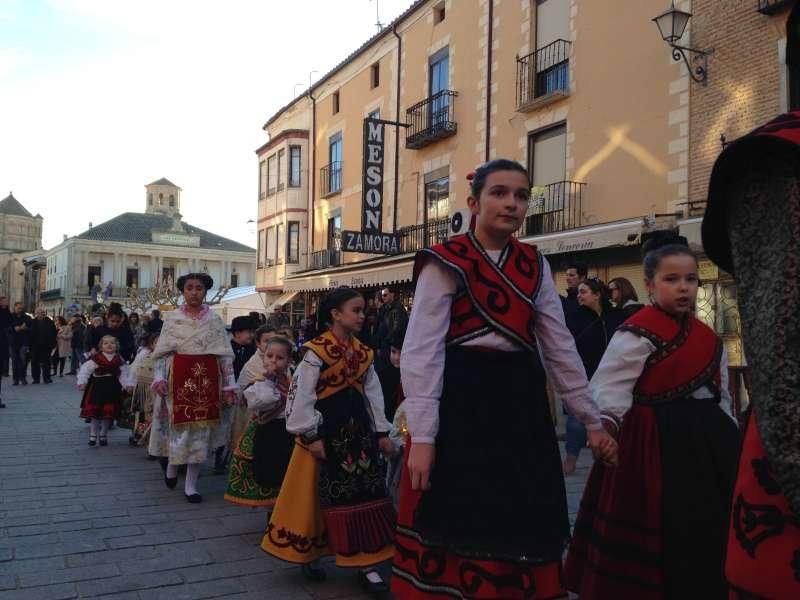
x=371 y=239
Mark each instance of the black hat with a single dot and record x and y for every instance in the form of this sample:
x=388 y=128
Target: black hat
x=204 y=278
x=241 y=324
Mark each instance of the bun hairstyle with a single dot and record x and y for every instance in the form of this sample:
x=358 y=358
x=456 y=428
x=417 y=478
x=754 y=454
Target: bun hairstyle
x=477 y=179
x=203 y=278
x=334 y=301
x=115 y=309
x=661 y=245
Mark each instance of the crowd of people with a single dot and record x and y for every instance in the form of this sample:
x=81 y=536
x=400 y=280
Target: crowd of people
x=427 y=439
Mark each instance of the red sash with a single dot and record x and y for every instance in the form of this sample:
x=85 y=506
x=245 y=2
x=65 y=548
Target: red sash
x=195 y=383
x=499 y=297
x=687 y=356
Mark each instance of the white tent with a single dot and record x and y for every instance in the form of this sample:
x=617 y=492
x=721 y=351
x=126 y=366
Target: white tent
x=239 y=301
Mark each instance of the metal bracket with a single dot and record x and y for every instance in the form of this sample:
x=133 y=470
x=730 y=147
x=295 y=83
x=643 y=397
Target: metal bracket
x=699 y=72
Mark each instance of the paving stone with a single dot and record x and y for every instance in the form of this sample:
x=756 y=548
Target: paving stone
x=65 y=591
x=127 y=583
x=67 y=575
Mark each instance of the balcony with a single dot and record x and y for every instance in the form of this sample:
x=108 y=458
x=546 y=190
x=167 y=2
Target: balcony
x=54 y=294
x=431 y=120
x=543 y=76
x=771 y=7
x=326 y=258
x=553 y=208
x=330 y=179
x=416 y=237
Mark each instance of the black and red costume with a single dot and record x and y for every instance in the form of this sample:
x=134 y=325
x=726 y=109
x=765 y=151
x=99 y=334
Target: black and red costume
x=102 y=397
x=654 y=526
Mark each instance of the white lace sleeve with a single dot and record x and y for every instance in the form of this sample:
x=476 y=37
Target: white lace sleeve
x=301 y=416
x=262 y=396
x=85 y=372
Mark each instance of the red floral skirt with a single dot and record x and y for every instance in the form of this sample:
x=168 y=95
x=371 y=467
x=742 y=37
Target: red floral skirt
x=102 y=398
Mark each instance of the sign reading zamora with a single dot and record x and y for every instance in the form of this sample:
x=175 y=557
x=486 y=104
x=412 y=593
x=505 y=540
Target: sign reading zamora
x=371 y=239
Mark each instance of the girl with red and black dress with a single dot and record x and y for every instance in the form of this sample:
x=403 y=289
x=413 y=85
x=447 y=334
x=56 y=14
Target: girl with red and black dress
x=483 y=511
x=654 y=526
x=101 y=379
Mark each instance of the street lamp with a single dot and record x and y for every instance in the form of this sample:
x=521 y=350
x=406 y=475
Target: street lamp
x=672 y=25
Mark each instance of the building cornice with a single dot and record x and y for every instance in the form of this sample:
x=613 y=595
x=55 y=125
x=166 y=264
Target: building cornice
x=283 y=135
x=154 y=249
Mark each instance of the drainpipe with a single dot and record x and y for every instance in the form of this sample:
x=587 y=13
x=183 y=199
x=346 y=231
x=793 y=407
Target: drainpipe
x=313 y=172
x=397 y=130
x=489 y=81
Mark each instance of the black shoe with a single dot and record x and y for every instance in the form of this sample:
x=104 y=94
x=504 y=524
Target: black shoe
x=34 y=382
x=16 y=383
x=103 y=440
x=193 y=498
x=2 y=405
x=372 y=587
x=92 y=440
x=314 y=572
x=170 y=482
x=48 y=381
x=25 y=382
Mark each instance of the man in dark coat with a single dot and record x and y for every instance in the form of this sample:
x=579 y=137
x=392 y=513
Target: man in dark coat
x=5 y=323
x=43 y=342
x=392 y=319
x=20 y=343
x=576 y=274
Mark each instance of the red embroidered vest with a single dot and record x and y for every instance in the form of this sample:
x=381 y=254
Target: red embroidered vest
x=687 y=356
x=496 y=296
x=106 y=367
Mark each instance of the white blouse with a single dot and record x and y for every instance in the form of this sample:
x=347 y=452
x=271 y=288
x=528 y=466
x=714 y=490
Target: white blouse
x=302 y=418
x=423 y=356
x=622 y=365
x=88 y=368
x=264 y=398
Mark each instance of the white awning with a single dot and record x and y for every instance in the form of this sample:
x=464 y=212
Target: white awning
x=284 y=298
x=607 y=235
x=378 y=272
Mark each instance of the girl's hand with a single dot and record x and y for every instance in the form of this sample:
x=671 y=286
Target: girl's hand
x=603 y=445
x=81 y=386
x=386 y=446
x=161 y=388
x=420 y=463
x=283 y=385
x=317 y=450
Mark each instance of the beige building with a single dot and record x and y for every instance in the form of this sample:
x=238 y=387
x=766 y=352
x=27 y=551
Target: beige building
x=20 y=239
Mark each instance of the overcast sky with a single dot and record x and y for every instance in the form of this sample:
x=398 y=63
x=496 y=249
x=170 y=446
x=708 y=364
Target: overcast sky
x=100 y=97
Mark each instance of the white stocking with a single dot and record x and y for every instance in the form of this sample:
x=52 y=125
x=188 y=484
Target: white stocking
x=104 y=427
x=172 y=471
x=192 y=473
x=93 y=426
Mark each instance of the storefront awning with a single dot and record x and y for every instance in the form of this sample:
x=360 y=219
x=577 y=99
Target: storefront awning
x=382 y=271
x=607 y=235
x=284 y=298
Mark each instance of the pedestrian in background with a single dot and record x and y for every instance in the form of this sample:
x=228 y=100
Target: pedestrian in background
x=20 y=343
x=76 y=343
x=5 y=325
x=624 y=296
x=137 y=330
x=575 y=274
x=44 y=339
x=63 y=345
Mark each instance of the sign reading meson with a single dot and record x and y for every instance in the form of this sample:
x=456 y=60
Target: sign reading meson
x=371 y=239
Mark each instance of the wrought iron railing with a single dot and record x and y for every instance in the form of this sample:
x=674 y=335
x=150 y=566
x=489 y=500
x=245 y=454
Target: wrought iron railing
x=330 y=179
x=416 y=237
x=326 y=258
x=543 y=72
x=553 y=208
x=431 y=120
x=770 y=7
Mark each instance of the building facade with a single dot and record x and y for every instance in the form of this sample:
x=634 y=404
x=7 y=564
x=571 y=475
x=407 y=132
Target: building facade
x=20 y=240
x=138 y=251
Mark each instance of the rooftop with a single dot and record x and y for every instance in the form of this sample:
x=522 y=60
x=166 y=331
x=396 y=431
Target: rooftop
x=163 y=181
x=11 y=206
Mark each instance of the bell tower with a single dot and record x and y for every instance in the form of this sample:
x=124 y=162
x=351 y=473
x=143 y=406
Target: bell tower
x=162 y=197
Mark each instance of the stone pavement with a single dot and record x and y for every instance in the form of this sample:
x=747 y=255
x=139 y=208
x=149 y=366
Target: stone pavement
x=81 y=522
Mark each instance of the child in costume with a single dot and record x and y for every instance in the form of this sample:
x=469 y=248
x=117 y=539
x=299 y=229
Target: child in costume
x=654 y=527
x=483 y=510
x=333 y=499
x=253 y=370
x=260 y=458
x=100 y=378
x=140 y=380
x=399 y=431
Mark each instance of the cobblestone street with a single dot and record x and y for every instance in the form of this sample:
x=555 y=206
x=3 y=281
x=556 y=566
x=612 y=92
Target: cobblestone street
x=81 y=522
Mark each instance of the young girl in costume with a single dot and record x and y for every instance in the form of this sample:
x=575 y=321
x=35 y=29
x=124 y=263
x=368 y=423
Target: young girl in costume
x=101 y=379
x=140 y=380
x=483 y=510
x=333 y=499
x=260 y=458
x=654 y=527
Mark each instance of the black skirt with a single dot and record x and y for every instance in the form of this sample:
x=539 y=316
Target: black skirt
x=272 y=450
x=497 y=489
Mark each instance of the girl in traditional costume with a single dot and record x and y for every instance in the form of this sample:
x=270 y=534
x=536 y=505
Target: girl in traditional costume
x=193 y=377
x=333 y=499
x=139 y=384
x=488 y=517
x=101 y=379
x=654 y=527
x=260 y=458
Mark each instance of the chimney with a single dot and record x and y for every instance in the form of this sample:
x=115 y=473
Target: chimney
x=65 y=237
x=90 y=224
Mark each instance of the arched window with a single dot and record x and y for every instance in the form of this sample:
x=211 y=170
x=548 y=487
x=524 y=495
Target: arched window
x=793 y=58
x=161 y=199
x=150 y=199
x=172 y=200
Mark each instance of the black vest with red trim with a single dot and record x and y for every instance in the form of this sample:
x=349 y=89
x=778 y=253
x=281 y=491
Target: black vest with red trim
x=687 y=356
x=496 y=297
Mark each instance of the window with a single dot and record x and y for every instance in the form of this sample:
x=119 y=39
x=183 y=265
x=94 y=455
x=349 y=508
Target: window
x=132 y=278
x=552 y=22
x=168 y=274
x=262 y=244
x=172 y=201
x=438 y=13
x=262 y=180
x=93 y=276
x=335 y=102
x=294 y=166
x=272 y=176
x=161 y=199
x=271 y=246
x=437 y=198
x=280 y=241
x=375 y=75
x=293 y=243
x=150 y=199
x=234 y=280
x=335 y=155
x=281 y=157
x=547 y=155
x=439 y=82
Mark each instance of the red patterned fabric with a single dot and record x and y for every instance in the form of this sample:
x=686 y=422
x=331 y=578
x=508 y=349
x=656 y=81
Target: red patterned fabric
x=616 y=545
x=367 y=527
x=195 y=389
x=422 y=572
x=102 y=397
x=764 y=545
x=687 y=355
x=496 y=297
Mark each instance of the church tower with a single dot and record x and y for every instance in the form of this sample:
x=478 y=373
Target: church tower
x=163 y=198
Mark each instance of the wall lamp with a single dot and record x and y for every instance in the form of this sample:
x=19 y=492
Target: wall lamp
x=672 y=25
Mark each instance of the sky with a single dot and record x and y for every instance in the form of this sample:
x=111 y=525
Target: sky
x=100 y=97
